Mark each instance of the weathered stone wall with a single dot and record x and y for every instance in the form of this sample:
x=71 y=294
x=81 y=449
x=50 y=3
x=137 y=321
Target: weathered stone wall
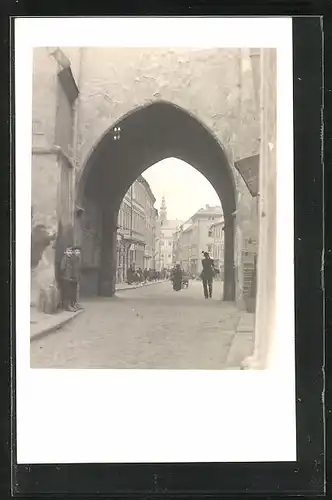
x=88 y=236
x=246 y=229
x=45 y=179
x=44 y=88
x=52 y=179
x=214 y=85
x=74 y=56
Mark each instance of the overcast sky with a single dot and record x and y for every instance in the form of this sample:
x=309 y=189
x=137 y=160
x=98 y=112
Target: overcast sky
x=185 y=189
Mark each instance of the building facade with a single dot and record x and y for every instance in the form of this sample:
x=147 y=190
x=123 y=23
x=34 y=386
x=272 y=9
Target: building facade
x=217 y=251
x=199 y=234
x=182 y=245
x=76 y=104
x=136 y=234
x=165 y=238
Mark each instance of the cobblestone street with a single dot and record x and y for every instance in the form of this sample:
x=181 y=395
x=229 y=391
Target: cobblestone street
x=148 y=327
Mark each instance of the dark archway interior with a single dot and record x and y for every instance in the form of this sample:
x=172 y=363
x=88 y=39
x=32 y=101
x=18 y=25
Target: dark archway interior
x=147 y=135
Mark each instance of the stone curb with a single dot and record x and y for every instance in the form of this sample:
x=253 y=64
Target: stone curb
x=235 y=350
x=53 y=327
x=138 y=286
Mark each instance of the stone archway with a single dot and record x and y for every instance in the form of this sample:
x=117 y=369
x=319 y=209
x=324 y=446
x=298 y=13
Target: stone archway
x=147 y=135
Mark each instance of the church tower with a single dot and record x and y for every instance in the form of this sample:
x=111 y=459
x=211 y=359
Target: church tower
x=163 y=211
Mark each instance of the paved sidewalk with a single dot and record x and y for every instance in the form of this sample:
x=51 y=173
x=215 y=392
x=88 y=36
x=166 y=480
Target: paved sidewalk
x=243 y=341
x=42 y=324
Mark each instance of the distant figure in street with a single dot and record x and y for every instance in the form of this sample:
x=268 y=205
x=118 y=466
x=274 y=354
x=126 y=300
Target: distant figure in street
x=185 y=279
x=207 y=275
x=131 y=274
x=146 y=275
x=140 y=276
x=177 y=278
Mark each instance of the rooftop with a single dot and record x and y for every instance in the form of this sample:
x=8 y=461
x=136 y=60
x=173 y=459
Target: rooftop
x=187 y=229
x=218 y=222
x=147 y=187
x=171 y=224
x=207 y=211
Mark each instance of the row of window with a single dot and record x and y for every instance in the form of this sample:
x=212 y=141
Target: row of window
x=141 y=196
x=164 y=256
x=216 y=233
x=124 y=217
x=137 y=224
x=139 y=219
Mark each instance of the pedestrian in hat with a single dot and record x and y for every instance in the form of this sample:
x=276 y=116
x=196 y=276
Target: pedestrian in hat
x=207 y=274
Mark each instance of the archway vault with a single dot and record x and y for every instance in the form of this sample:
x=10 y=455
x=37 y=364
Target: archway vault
x=147 y=135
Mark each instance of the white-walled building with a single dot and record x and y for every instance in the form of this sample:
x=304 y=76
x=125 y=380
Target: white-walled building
x=196 y=236
x=201 y=237
x=165 y=238
x=217 y=250
x=182 y=245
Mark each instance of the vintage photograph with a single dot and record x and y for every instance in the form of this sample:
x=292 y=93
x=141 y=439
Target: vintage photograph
x=153 y=207
x=154 y=240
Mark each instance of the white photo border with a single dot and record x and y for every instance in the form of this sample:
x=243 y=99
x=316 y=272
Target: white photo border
x=135 y=416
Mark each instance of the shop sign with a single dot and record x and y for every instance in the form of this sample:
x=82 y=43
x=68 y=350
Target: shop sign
x=248 y=168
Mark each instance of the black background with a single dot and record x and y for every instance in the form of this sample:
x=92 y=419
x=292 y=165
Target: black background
x=305 y=477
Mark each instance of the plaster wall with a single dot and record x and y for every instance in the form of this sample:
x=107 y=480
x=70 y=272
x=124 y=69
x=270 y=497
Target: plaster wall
x=44 y=85
x=52 y=179
x=214 y=85
x=266 y=285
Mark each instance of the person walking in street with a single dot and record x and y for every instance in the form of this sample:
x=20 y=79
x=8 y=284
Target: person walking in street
x=177 y=278
x=207 y=275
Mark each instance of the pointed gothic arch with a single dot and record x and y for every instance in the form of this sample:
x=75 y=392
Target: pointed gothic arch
x=140 y=139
